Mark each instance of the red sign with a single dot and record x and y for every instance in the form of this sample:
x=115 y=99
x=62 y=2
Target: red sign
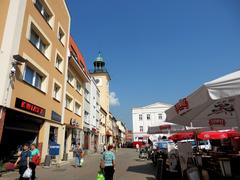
x=162 y=127
x=27 y=106
x=216 y=122
x=181 y=105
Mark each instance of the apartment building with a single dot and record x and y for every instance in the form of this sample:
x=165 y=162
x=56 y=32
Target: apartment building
x=77 y=78
x=34 y=39
x=95 y=116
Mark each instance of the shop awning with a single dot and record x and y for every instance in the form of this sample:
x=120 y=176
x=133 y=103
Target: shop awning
x=109 y=133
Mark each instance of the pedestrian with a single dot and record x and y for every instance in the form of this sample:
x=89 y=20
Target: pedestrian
x=108 y=163
x=78 y=155
x=104 y=147
x=34 y=160
x=137 y=147
x=23 y=161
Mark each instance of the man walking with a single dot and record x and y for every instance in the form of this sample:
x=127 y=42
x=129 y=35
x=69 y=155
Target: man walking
x=78 y=155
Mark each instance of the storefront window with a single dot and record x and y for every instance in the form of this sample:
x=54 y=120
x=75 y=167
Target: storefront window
x=53 y=134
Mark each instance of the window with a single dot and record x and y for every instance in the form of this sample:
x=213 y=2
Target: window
x=68 y=102
x=160 y=116
x=43 y=10
x=78 y=86
x=148 y=116
x=140 y=116
x=61 y=35
x=77 y=108
x=37 y=41
x=74 y=54
x=56 y=92
x=86 y=117
x=141 y=128
x=59 y=63
x=87 y=96
x=34 y=78
x=70 y=78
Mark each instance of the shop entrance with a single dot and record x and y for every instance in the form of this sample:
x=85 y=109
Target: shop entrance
x=13 y=140
x=19 y=128
x=86 y=140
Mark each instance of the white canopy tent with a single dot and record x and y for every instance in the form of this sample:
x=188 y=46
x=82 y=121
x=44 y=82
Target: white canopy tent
x=216 y=104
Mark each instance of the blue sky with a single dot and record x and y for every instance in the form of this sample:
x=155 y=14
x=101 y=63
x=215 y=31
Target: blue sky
x=157 y=50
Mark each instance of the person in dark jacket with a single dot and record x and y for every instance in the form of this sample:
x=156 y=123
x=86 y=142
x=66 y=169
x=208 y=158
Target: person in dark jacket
x=23 y=161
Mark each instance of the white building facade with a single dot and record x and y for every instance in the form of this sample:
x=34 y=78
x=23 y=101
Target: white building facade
x=94 y=115
x=147 y=116
x=87 y=116
x=121 y=132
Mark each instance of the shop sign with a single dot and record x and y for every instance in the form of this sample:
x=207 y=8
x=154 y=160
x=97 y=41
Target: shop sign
x=182 y=105
x=54 y=149
x=56 y=117
x=216 y=122
x=73 y=122
x=27 y=106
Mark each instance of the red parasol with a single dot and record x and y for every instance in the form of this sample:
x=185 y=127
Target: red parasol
x=218 y=135
x=181 y=136
x=212 y=135
x=233 y=133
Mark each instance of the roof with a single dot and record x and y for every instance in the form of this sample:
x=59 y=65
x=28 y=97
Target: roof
x=155 y=105
x=74 y=47
x=99 y=58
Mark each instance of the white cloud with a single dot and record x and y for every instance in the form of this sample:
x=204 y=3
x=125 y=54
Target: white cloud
x=114 y=101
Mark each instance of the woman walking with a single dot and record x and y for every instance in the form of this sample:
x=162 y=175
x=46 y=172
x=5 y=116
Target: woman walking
x=34 y=160
x=108 y=161
x=23 y=161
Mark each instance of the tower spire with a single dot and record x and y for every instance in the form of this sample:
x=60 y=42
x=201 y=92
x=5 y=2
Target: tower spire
x=99 y=63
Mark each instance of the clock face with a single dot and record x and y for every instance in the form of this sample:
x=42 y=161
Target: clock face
x=98 y=81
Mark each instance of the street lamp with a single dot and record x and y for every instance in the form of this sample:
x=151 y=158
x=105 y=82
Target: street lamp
x=18 y=60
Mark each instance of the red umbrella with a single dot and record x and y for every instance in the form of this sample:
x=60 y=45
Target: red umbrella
x=218 y=135
x=181 y=136
x=233 y=133
x=212 y=135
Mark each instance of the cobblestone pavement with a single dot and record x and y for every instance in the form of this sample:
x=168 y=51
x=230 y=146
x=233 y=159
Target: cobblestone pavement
x=128 y=167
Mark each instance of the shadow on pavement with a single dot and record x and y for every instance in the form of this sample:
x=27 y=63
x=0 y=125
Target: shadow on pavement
x=143 y=169
x=150 y=178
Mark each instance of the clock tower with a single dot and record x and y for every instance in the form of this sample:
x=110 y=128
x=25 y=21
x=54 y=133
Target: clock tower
x=102 y=78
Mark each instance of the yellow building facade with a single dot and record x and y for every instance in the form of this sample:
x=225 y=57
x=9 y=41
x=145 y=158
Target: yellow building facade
x=34 y=37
